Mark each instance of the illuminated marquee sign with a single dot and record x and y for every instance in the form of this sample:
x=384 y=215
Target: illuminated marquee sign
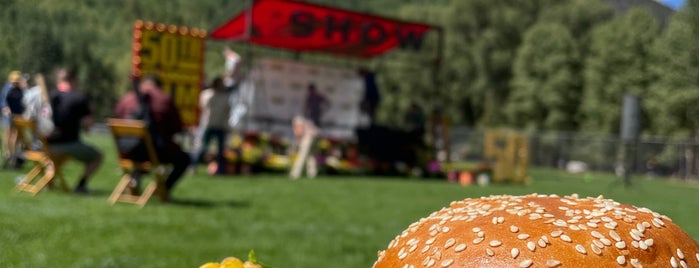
x=176 y=55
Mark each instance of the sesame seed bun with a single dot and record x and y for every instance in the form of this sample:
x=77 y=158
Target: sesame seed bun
x=541 y=231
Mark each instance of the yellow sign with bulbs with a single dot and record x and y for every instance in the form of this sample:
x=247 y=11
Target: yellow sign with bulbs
x=176 y=55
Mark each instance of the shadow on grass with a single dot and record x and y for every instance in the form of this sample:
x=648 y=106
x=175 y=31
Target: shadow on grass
x=209 y=203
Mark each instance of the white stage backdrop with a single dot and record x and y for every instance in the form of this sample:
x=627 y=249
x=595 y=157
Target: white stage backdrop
x=279 y=88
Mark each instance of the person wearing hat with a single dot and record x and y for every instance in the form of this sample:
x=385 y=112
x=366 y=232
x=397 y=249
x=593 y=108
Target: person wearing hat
x=11 y=104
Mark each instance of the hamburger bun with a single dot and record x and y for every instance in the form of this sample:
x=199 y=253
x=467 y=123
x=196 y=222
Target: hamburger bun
x=541 y=231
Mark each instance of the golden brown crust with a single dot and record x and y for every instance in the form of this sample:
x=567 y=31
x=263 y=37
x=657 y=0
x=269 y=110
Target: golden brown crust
x=541 y=231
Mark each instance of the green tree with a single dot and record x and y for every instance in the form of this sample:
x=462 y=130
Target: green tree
x=545 y=92
x=409 y=76
x=579 y=17
x=672 y=102
x=617 y=64
x=482 y=39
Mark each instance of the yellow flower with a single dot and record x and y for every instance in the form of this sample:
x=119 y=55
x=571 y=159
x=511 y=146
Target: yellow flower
x=211 y=265
x=232 y=262
x=249 y=264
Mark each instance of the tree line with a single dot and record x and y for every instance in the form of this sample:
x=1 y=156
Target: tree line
x=536 y=65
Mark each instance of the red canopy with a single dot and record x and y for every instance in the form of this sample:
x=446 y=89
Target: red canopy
x=302 y=26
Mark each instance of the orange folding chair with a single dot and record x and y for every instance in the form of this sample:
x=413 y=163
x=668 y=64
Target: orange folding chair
x=46 y=168
x=124 y=191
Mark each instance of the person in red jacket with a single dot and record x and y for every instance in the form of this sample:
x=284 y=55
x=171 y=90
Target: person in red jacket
x=166 y=122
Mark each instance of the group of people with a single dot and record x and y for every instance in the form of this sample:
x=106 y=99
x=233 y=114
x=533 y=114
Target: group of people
x=70 y=112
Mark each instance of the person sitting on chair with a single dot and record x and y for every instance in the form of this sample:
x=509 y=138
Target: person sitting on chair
x=165 y=122
x=71 y=113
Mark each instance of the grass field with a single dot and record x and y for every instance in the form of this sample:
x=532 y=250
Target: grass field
x=325 y=222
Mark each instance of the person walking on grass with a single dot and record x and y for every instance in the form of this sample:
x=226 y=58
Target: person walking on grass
x=215 y=105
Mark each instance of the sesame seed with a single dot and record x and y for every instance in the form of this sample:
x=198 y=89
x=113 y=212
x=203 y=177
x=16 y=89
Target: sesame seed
x=489 y=252
x=596 y=249
x=609 y=225
x=541 y=243
x=560 y=223
x=553 y=263
x=673 y=262
x=657 y=222
x=495 y=243
x=563 y=208
x=621 y=260
x=501 y=219
x=634 y=235
x=645 y=210
x=481 y=234
x=591 y=224
x=545 y=239
x=495 y=220
x=680 y=254
x=402 y=255
x=597 y=234
x=445 y=229
x=534 y=216
x=580 y=248
x=556 y=233
x=650 y=241
x=412 y=248
x=574 y=227
x=425 y=249
x=614 y=235
x=683 y=264
x=598 y=243
x=459 y=247
x=447 y=262
x=525 y=263
x=522 y=236
x=640 y=227
x=514 y=229
x=635 y=263
x=635 y=244
x=478 y=240
x=620 y=245
x=430 y=241
x=697 y=255
x=430 y=263
x=566 y=238
x=476 y=229
x=450 y=242
x=531 y=246
x=514 y=252
x=605 y=241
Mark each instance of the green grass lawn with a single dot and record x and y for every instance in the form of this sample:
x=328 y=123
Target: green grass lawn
x=325 y=222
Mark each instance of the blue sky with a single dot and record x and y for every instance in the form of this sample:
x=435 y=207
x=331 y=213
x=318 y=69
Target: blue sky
x=674 y=3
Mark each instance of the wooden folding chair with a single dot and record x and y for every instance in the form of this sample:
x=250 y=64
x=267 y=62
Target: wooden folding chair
x=46 y=168
x=128 y=128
